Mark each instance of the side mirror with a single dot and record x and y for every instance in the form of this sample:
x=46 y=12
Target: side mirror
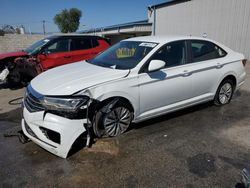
x=156 y=65
x=44 y=52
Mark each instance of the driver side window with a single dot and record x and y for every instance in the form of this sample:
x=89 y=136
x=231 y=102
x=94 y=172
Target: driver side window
x=59 y=46
x=173 y=54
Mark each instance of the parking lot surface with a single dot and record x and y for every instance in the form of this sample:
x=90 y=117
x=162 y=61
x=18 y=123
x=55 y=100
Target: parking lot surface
x=202 y=146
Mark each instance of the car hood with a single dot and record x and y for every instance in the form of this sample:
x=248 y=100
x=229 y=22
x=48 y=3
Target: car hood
x=69 y=79
x=13 y=54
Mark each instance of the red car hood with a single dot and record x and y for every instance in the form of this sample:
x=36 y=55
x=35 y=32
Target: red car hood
x=13 y=54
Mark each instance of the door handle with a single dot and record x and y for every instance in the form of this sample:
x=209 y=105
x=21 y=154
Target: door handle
x=68 y=56
x=218 y=66
x=186 y=73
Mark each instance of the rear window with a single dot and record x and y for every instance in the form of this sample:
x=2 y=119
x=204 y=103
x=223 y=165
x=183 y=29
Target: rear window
x=205 y=50
x=81 y=44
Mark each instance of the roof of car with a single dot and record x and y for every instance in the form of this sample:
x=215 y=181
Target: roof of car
x=73 y=35
x=164 y=38
x=57 y=36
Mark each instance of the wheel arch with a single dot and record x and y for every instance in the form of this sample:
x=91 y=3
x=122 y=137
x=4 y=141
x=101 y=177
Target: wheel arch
x=230 y=76
x=103 y=104
x=121 y=95
x=120 y=98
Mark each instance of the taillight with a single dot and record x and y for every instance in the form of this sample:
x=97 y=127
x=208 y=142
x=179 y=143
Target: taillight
x=244 y=62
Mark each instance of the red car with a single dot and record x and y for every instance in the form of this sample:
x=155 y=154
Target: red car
x=47 y=53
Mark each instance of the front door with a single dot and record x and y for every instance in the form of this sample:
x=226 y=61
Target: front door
x=167 y=88
x=58 y=53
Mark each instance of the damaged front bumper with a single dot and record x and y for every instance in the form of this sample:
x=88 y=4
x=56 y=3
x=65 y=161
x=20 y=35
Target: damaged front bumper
x=54 y=133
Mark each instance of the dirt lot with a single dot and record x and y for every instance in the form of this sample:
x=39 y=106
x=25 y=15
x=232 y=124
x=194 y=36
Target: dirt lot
x=203 y=146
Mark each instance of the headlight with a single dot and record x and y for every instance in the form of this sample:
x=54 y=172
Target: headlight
x=71 y=104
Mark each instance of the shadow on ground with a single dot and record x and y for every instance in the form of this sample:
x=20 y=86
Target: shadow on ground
x=11 y=86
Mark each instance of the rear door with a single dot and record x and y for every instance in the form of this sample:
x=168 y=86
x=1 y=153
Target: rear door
x=99 y=45
x=207 y=65
x=81 y=48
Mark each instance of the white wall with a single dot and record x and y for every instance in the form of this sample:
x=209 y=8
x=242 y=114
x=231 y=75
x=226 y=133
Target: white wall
x=226 y=21
x=16 y=42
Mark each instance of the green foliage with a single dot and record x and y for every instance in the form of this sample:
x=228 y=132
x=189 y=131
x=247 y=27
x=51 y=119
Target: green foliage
x=68 y=21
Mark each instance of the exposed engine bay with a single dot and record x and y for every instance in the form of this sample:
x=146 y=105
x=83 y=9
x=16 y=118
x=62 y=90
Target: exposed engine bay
x=20 y=70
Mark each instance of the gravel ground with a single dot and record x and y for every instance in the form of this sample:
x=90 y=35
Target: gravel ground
x=202 y=146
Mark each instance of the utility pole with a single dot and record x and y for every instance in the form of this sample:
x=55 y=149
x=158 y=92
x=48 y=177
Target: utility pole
x=154 y=21
x=43 y=27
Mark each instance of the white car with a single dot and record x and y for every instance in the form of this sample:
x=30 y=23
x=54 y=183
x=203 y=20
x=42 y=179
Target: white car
x=134 y=80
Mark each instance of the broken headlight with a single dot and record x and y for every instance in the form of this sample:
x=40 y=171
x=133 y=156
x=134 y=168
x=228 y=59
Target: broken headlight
x=69 y=104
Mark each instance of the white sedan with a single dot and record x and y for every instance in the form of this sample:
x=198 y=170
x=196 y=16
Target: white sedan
x=134 y=80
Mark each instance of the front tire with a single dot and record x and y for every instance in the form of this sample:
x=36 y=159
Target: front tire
x=224 y=93
x=114 y=122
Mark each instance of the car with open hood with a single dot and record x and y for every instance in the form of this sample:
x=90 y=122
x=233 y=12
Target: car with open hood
x=134 y=80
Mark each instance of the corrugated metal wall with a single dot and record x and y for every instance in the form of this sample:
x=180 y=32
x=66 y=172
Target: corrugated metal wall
x=226 y=21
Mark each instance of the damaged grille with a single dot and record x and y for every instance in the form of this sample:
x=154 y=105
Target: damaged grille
x=32 y=100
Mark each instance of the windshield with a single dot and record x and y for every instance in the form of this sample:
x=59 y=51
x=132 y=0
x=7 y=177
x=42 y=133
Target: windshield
x=123 y=55
x=35 y=48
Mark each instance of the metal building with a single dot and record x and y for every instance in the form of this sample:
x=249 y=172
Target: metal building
x=226 y=21
x=116 y=33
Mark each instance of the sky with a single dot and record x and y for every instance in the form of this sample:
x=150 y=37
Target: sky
x=95 y=13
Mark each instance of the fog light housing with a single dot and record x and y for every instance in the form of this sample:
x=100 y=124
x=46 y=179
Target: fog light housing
x=51 y=135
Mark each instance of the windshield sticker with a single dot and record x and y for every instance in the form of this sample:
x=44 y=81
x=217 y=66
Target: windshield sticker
x=125 y=52
x=148 y=44
x=46 y=40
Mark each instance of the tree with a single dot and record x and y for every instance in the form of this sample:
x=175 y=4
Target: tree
x=68 y=21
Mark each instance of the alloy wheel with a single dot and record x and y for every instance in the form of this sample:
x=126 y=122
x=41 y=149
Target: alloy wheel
x=225 y=93
x=117 y=121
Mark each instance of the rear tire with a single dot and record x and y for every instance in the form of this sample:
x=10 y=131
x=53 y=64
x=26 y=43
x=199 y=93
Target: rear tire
x=224 y=92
